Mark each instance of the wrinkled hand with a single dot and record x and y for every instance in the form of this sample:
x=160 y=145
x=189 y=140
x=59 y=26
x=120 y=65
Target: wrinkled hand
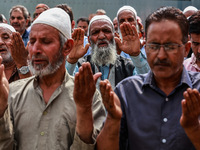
x=18 y=51
x=110 y=101
x=190 y=109
x=85 y=86
x=4 y=90
x=130 y=43
x=78 y=50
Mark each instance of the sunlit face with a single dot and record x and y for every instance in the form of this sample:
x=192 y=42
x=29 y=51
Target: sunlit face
x=18 y=21
x=163 y=64
x=45 y=52
x=83 y=25
x=127 y=16
x=37 y=12
x=195 y=40
x=5 y=40
x=101 y=30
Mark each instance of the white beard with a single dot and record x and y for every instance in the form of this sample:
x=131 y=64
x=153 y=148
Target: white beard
x=41 y=70
x=104 y=55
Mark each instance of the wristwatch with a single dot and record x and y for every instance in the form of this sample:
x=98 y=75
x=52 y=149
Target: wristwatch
x=23 y=70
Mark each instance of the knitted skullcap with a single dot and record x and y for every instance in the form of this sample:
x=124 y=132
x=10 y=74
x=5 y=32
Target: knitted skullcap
x=127 y=8
x=5 y=25
x=57 y=18
x=99 y=17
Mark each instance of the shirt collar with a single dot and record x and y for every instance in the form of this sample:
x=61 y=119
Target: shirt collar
x=66 y=78
x=185 y=79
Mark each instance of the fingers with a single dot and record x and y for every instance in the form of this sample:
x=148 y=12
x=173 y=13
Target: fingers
x=107 y=94
x=78 y=34
x=127 y=29
x=192 y=101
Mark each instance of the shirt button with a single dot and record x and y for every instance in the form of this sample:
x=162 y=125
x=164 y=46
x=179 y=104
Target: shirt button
x=164 y=140
x=167 y=99
x=165 y=119
x=42 y=133
x=44 y=113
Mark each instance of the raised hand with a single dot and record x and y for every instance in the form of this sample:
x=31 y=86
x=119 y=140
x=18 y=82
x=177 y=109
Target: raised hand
x=18 y=50
x=4 y=90
x=78 y=50
x=190 y=116
x=84 y=89
x=108 y=138
x=110 y=100
x=130 y=40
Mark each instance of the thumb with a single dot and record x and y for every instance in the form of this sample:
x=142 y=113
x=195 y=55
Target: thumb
x=118 y=42
x=96 y=76
x=87 y=47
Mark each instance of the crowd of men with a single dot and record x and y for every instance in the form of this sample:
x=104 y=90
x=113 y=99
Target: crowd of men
x=105 y=85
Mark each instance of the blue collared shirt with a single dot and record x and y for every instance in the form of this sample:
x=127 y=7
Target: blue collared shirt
x=25 y=37
x=151 y=118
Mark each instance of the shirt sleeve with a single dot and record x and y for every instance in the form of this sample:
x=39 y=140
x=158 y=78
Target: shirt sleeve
x=71 y=68
x=6 y=132
x=140 y=63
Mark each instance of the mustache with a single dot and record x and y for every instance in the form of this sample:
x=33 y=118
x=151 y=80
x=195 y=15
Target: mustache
x=15 y=24
x=39 y=57
x=162 y=62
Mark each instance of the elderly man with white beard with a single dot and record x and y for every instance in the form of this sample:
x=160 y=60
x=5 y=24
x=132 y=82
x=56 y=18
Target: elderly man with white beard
x=13 y=53
x=103 y=56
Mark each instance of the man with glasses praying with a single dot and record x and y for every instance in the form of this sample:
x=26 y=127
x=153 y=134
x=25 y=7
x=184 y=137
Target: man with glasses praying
x=161 y=108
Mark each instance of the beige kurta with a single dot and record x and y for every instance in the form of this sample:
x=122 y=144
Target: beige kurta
x=30 y=124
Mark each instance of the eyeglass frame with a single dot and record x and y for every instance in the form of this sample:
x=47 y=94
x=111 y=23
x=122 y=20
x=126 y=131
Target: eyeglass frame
x=165 y=47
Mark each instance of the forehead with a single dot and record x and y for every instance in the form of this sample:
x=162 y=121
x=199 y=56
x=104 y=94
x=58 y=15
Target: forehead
x=17 y=11
x=5 y=30
x=126 y=14
x=165 y=30
x=43 y=30
x=101 y=23
x=195 y=37
x=39 y=10
x=82 y=22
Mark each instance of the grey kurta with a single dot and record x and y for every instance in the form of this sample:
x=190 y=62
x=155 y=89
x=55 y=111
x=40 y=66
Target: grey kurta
x=30 y=124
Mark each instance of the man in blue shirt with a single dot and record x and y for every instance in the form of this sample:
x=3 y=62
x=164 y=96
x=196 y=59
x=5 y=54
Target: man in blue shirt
x=103 y=56
x=18 y=19
x=160 y=109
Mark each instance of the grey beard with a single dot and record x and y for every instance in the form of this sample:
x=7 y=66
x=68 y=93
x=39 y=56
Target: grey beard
x=104 y=55
x=40 y=70
x=7 y=58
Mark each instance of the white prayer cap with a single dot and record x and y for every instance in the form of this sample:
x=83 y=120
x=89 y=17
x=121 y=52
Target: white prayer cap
x=99 y=17
x=57 y=18
x=190 y=8
x=126 y=7
x=5 y=25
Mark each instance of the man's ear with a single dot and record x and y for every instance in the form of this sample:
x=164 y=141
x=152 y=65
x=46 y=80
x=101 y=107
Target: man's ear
x=187 y=48
x=73 y=24
x=67 y=47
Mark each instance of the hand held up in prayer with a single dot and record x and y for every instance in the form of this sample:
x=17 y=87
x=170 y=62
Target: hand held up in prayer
x=84 y=89
x=190 y=116
x=130 y=40
x=4 y=90
x=18 y=51
x=78 y=50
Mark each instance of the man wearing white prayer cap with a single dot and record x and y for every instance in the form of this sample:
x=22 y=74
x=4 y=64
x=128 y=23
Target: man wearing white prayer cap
x=50 y=110
x=128 y=14
x=13 y=53
x=103 y=57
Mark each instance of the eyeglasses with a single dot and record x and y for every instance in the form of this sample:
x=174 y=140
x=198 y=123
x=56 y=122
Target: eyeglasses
x=169 y=48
